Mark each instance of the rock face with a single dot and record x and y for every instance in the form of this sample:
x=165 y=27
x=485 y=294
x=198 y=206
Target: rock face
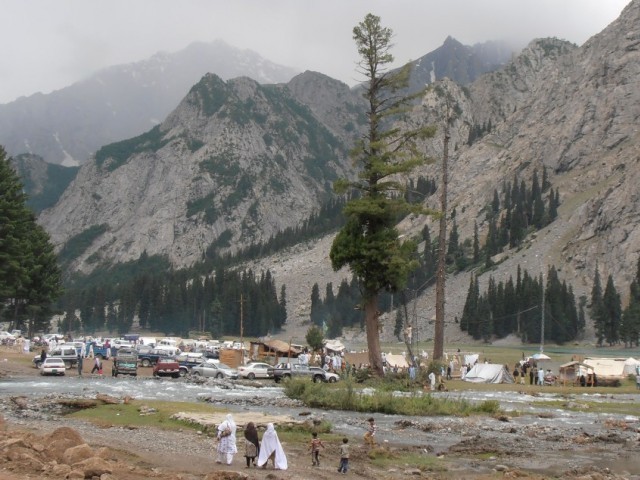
x=68 y=125
x=234 y=164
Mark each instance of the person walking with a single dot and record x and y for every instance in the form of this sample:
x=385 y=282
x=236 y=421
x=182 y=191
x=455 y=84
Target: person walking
x=370 y=434
x=79 y=364
x=344 y=456
x=315 y=446
x=271 y=448
x=252 y=444
x=227 y=441
x=97 y=365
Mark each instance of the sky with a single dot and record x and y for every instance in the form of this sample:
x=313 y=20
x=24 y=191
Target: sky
x=46 y=45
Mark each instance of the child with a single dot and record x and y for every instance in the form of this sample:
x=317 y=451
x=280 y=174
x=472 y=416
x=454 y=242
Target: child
x=344 y=456
x=316 y=443
x=370 y=435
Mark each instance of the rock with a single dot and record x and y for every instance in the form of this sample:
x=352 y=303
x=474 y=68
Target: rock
x=107 y=399
x=75 y=474
x=77 y=454
x=58 y=441
x=93 y=467
x=501 y=468
x=60 y=470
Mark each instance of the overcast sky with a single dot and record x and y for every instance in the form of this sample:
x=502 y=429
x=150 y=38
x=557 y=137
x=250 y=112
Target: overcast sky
x=48 y=44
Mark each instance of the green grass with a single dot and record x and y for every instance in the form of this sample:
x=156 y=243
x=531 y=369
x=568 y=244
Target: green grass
x=128 y=414
x=349 y=396
x=385 y=458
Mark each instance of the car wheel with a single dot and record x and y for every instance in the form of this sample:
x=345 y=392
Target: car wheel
x=219 y=375
x=183 y=372
x=332 y=380
x=251 y=376
x=286 y=376
x=146 y=362
x=195 y=374
x=317 y=378
x=277 y=379
x=67 y=364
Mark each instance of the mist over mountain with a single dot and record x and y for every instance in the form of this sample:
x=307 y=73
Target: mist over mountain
x=68 y=125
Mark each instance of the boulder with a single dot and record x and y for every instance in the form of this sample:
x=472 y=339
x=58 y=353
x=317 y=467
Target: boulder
x=77 y=454
x=93 y=467
x=58 y=441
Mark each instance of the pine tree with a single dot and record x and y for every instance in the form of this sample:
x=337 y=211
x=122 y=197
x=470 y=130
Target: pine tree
x=612 y=312
x=476 y=244
x=369 y=242
x=597 y=308
x=630 y=327
x=30 y=279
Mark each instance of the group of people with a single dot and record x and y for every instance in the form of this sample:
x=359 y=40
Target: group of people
x=258 y=453
x=537 y=375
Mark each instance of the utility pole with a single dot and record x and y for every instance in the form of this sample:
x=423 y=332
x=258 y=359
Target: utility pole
x=242 y=326
x=438 y=338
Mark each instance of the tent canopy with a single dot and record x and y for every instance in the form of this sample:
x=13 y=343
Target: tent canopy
x=488 y=373
x=396 y=361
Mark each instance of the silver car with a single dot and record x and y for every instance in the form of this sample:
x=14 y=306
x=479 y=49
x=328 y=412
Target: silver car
x=215 y=370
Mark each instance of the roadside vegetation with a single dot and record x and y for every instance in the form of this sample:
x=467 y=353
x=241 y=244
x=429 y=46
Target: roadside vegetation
x=351 y=396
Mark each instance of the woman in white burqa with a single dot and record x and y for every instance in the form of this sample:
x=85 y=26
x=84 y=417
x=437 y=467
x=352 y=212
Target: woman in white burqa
x=227 y=441
x=271 y=448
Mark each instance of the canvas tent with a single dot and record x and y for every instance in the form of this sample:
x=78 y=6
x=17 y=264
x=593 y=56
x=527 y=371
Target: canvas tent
x=631 y=366
x=607 y=367
x=572 y=371
x=488 y=373
x=396 y=360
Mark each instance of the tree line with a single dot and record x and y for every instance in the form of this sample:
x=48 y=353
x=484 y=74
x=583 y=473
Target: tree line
x=519 y=307
x=613 y=325
x=176 y=302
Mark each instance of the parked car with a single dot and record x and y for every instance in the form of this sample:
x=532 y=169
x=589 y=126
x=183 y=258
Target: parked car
x=4 y=335
x=52 y=366
x=215 y=370
x=329 y=377
x=69 y=356
x=125 y=363
x=254 y=370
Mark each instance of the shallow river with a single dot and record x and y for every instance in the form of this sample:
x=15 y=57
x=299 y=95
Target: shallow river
x=258 y=397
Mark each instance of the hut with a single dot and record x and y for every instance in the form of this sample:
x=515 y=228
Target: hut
x=572 y=371
x=270 y=350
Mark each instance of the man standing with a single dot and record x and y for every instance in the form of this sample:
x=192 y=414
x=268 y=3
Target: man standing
x=432 y=380
x=97 y=365
x=80 y=364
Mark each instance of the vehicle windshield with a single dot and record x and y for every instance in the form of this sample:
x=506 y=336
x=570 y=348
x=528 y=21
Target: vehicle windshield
x=222 y=366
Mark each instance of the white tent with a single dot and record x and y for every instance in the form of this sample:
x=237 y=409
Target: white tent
x=396 y=361
x=607 y=367
x=631 y=366
x=488 y=373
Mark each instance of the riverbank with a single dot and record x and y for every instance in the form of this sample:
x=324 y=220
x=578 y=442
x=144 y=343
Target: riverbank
x=553 y=444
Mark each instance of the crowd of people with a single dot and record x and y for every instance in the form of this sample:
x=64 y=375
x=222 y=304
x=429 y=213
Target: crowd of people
x=268 y=451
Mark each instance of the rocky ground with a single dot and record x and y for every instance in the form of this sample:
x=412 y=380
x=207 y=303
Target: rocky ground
x=38 y=441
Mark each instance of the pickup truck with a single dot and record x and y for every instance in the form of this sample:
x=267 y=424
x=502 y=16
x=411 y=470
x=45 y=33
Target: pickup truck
x=284 y=371
x=166 y=367
x=151 y=357
x=125 y=363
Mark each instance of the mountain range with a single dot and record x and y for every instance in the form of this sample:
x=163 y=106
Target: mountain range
x=238 y=161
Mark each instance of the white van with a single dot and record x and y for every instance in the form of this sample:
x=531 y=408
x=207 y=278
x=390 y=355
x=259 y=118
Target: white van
x=168 y=350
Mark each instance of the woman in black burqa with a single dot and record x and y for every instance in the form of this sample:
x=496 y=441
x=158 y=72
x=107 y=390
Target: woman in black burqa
x=252 y=444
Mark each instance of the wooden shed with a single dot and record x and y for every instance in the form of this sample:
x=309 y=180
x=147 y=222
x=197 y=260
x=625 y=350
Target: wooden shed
x=272 y=349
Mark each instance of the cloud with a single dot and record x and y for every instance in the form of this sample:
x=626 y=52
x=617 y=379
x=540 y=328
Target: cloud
x=46 y=45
